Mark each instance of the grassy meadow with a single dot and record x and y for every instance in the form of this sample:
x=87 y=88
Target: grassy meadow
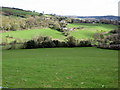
x=60 y=68
x=29 y=34
x=90 y=26
x=88 y=30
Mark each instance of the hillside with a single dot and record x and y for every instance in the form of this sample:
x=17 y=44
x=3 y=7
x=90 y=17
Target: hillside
x=18 y=19
x=21 y=26
x=7 y=11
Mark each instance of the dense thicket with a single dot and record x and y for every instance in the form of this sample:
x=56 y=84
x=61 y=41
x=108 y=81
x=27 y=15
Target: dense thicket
x=48 y=42
x=11 y=23
x=111 y=41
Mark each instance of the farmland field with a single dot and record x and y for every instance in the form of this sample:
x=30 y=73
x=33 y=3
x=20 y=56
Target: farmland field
x=105 y=27
x=86 y=32
x=29 y=34
x=87 y=67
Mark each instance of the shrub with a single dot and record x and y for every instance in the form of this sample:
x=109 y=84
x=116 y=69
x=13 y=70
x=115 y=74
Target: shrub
x=71 y=41
x=115 y=31
x=13 y=44
x=48 y=44
x=110 y=42
x=85 y=43
x=114 y=38
x=63 y=24
x=57 y=43
x=15 y=26
x=38 y=40
x=115 y=46
x=98 y=36
x=66 y=33
x=55 y=25
x=47 y=38
x=30 y=44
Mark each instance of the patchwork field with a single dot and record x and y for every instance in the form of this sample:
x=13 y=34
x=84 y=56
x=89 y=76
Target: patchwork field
x=60 y=68
x=85 y=32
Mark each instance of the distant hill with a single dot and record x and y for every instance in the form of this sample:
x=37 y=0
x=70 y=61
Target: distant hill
x=7 y=11
x=109 y=17
x=102 y=17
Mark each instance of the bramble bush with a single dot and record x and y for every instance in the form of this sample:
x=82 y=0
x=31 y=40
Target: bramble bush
x=71 y=41
x=47 y=42
x=110 y=42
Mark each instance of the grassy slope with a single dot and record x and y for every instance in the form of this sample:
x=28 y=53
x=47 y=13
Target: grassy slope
x=90 y=29
x=28 y=34
x=15 y=12
x=94 y=26
x=60 y=68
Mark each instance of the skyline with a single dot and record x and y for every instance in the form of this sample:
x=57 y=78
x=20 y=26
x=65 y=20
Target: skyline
x=67 y=7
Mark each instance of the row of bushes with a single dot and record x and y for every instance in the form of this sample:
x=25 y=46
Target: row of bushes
x=100 y=40
x=48 y=42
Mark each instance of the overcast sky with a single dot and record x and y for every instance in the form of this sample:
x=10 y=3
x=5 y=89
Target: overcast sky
x=67 y=7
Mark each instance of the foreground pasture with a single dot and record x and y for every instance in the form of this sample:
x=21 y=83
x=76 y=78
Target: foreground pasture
x=60 y=68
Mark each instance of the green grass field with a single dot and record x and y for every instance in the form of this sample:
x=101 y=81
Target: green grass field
x=86 y=32
x=60 y=68
x=89 y=29
x=89 y=26
x=29 y=34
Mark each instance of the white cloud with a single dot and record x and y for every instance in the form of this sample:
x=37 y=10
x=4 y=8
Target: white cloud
x=67 y=7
